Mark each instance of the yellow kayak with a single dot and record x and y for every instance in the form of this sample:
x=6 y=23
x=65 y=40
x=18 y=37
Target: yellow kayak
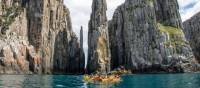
x=102 y=79
x=121 y=72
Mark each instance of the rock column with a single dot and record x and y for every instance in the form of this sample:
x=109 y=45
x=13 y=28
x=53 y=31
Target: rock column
x=98 y=41
x=81 y=37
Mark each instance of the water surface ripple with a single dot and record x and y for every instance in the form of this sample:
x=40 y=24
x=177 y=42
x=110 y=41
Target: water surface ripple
x=129 y=81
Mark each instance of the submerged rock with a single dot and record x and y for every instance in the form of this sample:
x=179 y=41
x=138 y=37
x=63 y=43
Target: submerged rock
x=98 y=40
x=146 y=36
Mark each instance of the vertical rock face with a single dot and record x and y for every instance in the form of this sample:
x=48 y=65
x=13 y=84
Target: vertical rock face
x=14 y=47
x=192 y=30
x=37 y=37
x=49 y=30
x=146 y=36
x=167 y=12
x=98 y=41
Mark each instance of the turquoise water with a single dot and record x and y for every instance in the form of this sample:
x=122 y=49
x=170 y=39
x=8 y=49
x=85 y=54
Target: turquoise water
x=130 y=81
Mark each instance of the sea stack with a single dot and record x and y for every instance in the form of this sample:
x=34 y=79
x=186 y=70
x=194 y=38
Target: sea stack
x=98 y=40
x=81 y=37
x=192 y=30
x=82 y=54
x=146 y=36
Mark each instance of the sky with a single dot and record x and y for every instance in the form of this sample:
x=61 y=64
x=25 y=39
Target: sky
x=80 y=11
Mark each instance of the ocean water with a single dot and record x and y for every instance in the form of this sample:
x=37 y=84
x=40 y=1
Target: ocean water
x=129 y=81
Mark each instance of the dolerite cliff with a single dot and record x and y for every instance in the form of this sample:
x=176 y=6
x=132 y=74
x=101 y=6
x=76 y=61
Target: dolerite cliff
x=36 y=37
x=98 y=41
x=146 y=36
x=192 y=30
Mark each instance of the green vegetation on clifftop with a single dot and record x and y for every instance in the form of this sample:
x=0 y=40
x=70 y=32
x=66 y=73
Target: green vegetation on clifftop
x=176 y=35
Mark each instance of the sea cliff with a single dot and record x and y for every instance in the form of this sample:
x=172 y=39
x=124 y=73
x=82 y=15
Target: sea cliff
x=36 y=37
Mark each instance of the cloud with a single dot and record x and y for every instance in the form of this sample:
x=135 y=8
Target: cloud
x=112 y=5
x=188 y=8
x=81 y=9
x=80 y=14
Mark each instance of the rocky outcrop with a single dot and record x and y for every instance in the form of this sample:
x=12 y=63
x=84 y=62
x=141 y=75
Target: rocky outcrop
x=192 y=30
x=45 y=27
x=146 y=36
x=13 y=56
x=98 y=40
